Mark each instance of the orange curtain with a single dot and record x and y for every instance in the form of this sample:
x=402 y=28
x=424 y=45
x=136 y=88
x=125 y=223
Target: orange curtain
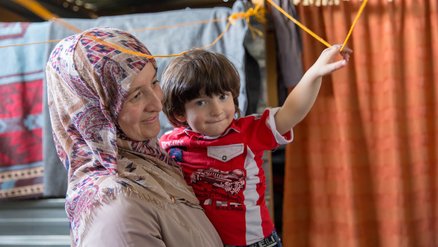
x=363 y=169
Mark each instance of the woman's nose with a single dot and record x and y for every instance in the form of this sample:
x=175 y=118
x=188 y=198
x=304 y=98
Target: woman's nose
x=155 y=101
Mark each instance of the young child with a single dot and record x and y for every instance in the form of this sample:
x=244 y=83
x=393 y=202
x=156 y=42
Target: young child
x=221 y=153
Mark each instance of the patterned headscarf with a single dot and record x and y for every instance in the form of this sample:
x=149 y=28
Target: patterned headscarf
x=87 y=82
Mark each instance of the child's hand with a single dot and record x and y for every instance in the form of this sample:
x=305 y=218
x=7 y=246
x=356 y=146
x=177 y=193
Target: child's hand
x=324 y=64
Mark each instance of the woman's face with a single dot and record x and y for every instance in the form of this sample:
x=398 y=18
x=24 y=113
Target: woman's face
x=139 y=117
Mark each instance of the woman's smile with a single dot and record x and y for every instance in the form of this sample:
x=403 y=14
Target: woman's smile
x=151 y=119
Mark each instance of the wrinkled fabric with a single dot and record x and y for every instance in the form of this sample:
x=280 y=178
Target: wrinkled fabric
x=86 y=84
x=177 y=226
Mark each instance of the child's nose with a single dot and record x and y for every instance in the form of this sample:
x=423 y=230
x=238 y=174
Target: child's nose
x=215 y=109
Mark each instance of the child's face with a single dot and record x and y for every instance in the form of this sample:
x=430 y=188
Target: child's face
x=209 y=116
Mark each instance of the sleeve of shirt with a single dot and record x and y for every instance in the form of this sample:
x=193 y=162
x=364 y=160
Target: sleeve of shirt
x=281 y=139
x=261 y=132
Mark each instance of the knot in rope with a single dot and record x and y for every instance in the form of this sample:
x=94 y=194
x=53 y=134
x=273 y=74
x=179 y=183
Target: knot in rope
x=258 y=13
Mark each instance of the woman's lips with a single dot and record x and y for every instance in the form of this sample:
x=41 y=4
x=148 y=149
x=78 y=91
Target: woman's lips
x=151 y=119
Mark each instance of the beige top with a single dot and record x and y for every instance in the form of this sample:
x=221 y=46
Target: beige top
x=130 y=222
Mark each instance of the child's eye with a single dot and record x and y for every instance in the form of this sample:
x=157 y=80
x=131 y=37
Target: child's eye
x=156 y=82
x=200 y=102
x=223 y=96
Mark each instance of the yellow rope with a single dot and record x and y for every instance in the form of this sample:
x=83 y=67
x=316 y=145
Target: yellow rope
x=257 y=12
x=299 y=24
x=135 y=53
x=38 y=9
x=32 y=43
x=71 y=27
x=66 y=24
x=362 y=7
x=181 y=24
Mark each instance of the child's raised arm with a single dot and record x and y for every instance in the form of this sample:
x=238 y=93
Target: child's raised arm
x=299 y=102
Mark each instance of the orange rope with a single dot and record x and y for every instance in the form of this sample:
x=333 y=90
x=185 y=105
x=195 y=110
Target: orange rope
x=45 y=14
x=181 y=24
x=66 y=24
x=362 y=7
x=299 y=24
x=71 y=27
x=136 y=53
x=257 y=12
x=32 y=43
x=37 y=8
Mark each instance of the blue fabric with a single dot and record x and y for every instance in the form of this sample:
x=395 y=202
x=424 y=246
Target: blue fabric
x=21 y=115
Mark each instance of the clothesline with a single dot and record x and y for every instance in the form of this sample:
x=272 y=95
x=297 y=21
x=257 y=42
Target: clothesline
x=257 y=12
x=362 y=7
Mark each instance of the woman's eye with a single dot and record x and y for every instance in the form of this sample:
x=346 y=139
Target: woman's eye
x=136 y=95
x=156 y=82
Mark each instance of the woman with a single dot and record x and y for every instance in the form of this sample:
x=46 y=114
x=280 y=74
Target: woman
x=123 y=189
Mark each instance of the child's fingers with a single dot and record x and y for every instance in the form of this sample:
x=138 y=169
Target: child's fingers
x=346 y=52
x=325 y=63
x=335 y=66
x=332 y=49
x=328 y=54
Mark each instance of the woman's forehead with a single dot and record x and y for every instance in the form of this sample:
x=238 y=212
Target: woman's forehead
x=145 y=77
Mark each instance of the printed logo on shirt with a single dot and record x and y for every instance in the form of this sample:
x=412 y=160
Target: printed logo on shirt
x=229 y=181
x=176 y=154
x=166 y=144
x=223 y=205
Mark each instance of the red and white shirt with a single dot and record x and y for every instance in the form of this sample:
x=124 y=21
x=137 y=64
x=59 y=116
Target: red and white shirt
x=227 y=176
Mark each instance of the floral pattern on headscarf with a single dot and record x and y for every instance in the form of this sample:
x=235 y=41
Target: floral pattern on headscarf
x=87 y=82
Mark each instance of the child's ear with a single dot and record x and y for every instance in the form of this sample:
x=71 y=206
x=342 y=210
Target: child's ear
x=181 y=118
